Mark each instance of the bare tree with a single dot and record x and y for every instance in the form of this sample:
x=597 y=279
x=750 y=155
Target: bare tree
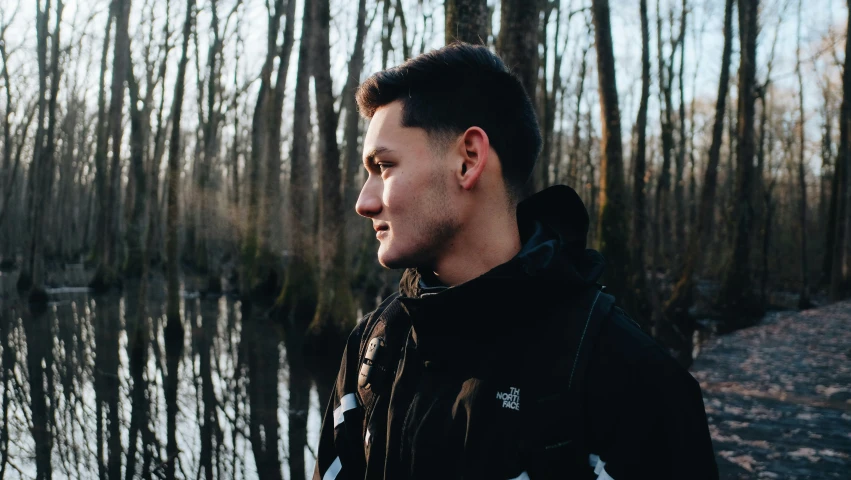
x=576 y=153
x=518 y=40
x=804 y=299
x=839 y=194
x=101 y=169
x=679 y=159
x=351 y=118
x=31 y=278
x=827 y=202
x=639 y=197
x=261 y=273
x=736 y=296
x=662 y=217
x=547 y=103
x=677 y=326
x=466 y=21
x=9 y=172
x=106 y=275
x=140 y=114
x=297 y=301
x=612 y=223
x=174 y=332
x=335 y=312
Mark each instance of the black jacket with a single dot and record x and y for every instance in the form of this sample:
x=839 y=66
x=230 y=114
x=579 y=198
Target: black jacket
x=475 y=376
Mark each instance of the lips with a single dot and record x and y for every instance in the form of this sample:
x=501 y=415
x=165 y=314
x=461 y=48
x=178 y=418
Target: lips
x=381 y=229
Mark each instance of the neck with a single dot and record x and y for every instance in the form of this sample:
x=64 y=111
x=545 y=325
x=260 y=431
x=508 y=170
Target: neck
x=479 y=248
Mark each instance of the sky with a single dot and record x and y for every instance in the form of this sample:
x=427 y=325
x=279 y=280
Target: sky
x=84 y=20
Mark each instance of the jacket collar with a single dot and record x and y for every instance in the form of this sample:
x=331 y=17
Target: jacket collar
x=513 y=297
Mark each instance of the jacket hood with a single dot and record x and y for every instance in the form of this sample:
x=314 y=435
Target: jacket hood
x=553 y=228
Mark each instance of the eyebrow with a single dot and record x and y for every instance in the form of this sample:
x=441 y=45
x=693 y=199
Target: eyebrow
x=369 y=158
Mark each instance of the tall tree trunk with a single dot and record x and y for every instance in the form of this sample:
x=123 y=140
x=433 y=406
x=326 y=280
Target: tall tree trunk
x=662 y=244
x=403 y=26
x=120 y=67
x=210 y=135
x=466 y=21
x=8 y=172
x=387 y=24
x=298 y=298
x=548 y=97
x=678 y=324
x=352 y=166
x=639 y=168
x=840 y=188
x=237 y=137
x=101 y=145
x=827 y=204
x=154 y=236
x=736 y=296
x=518 y=46
x=335 y=313
x=273 y=215
x=49 y=152
x=680 y=159
x=612 y=223
x=577 y=154
x=804 y=299
x=299 y=290
x=351 y=119
x=174 y=332
x=263 y=278
x=139 y=127
x=31 y=278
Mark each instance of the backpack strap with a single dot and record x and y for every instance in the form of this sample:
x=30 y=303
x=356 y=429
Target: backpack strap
x=559 y=425
x=380 y=347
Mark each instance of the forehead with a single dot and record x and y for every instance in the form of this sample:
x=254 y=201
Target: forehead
x=385 y=130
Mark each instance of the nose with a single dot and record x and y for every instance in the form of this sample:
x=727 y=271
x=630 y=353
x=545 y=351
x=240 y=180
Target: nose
x=369 y=200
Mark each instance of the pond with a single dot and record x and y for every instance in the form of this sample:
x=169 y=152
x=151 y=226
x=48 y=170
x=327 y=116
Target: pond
x=85 y=388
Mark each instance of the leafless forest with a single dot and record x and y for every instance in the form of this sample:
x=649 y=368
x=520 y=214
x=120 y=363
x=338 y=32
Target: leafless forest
x=181 y=260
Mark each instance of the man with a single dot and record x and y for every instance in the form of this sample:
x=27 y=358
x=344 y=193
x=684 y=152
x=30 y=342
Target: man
x=499 y=357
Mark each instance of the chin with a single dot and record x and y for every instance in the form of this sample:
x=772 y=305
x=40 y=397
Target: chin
x=390 y=262
x=393 y=260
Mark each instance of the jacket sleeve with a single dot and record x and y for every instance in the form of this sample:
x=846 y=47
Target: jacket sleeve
x=340 y=454
x=654 y=422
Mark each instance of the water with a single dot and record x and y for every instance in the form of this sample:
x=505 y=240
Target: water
x=71 y=403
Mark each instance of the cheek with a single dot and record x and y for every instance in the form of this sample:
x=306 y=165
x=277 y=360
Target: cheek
x=397 y=193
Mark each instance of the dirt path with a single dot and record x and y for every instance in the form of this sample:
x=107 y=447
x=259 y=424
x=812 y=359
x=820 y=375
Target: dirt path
x=778 y=396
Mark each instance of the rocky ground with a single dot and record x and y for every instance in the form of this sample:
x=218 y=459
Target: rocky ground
x=778 y=396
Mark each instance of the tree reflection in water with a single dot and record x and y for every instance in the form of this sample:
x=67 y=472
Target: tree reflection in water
x=84 y=390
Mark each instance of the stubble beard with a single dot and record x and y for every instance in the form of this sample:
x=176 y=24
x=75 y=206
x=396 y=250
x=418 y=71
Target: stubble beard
x=436 y=225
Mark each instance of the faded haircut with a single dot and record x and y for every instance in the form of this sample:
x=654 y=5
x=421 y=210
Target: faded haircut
x=449 y=90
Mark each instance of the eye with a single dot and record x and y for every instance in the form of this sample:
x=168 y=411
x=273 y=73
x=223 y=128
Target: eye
x=382 y=166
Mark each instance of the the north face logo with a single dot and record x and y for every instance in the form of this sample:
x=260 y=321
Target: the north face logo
x=510 y=399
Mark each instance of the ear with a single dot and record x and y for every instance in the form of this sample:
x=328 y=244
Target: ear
x=474 y=149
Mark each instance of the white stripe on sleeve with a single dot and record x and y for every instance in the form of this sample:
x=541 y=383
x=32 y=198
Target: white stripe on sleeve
x=604 y=475
x=333 y=470
x=347 y=403
x=599 y=467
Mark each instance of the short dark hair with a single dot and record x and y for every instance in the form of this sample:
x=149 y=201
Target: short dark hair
x=449 y=90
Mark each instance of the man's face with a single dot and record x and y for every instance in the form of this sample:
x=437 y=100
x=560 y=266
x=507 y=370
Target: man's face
x=407 y=192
